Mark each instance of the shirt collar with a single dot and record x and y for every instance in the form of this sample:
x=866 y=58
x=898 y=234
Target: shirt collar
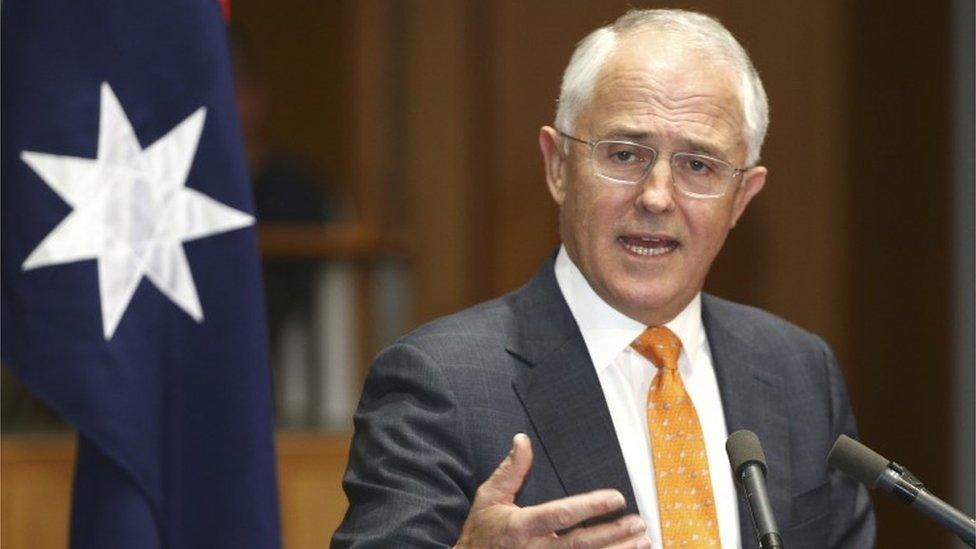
x=606 y=331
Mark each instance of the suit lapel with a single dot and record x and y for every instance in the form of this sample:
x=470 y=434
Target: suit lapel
x=561 y=393
x=563 y=399
x=753 y=398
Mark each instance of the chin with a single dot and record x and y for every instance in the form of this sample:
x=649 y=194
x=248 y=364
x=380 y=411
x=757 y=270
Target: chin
x=649 y=307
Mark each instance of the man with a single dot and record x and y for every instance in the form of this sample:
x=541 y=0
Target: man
x=621 y=379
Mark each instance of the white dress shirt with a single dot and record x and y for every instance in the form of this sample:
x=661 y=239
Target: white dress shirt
x=625 y=377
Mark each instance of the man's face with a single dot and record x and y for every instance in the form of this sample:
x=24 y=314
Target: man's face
x=646 y=248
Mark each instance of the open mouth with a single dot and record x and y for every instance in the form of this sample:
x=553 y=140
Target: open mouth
x=648 y=245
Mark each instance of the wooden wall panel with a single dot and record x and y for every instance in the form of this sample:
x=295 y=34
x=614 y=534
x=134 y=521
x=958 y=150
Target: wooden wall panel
x=310 y=469
x=374 y=74
x=36 y=474
x=35 y=491
x=436 y=148
x=901 y=190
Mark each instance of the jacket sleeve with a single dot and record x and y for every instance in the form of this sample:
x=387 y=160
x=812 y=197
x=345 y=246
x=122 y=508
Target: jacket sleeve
x=409 y=480
x=852 y=516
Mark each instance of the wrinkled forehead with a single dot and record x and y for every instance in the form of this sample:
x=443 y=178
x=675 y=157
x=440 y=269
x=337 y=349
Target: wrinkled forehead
x=657 y=74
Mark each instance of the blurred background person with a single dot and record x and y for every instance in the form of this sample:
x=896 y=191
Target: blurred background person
x=288 y=193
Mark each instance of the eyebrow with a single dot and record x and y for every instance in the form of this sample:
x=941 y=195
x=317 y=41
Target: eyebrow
x=691 y=145
x=629 y=135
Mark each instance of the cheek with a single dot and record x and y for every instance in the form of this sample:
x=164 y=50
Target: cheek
x=583 y=206
x=708 y=223
x=589 y=224
x=602 y=213
x=573 y=219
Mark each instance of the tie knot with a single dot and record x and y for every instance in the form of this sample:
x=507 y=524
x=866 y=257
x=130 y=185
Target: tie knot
x=659 y=345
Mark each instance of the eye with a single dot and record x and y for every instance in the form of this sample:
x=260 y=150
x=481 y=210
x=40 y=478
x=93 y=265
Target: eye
x=624 y=156
x=623 y=153
x=698 y=166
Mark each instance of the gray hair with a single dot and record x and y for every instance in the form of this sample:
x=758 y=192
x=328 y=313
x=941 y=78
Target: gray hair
x=696 y=31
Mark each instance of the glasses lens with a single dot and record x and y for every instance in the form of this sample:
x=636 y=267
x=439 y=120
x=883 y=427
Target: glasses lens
x=700 y=175
x=622 y=161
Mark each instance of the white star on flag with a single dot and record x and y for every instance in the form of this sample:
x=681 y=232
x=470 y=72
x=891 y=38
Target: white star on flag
x=131 y=211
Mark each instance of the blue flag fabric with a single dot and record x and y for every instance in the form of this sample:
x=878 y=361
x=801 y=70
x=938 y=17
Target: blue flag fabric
x=131 y=299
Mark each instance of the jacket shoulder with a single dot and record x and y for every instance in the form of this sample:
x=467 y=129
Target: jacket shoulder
x=758 y=325
x=487 y=325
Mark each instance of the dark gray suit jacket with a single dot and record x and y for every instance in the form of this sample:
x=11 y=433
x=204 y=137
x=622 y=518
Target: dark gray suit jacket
x=441 y=405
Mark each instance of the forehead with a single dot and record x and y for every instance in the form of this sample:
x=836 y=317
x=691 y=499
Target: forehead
x=654 y=89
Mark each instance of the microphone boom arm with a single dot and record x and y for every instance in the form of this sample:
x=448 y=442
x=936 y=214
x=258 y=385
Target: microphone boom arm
x=900 y=481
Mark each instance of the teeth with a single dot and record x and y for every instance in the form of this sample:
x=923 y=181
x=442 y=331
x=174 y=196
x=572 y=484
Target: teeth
x=641 y=250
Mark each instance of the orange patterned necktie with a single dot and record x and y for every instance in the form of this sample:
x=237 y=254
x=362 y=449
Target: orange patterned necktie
x=684 y=486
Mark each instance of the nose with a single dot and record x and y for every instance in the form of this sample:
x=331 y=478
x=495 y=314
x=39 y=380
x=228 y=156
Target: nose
x=657 y=192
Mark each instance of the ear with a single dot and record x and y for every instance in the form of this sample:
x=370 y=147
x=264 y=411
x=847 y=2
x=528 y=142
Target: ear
x=555 y=162
x=752 y=182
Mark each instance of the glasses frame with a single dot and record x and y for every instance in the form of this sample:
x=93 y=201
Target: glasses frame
x=593 y=145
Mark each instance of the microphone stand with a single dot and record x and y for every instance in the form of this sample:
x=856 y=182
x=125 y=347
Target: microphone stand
x=900 y=481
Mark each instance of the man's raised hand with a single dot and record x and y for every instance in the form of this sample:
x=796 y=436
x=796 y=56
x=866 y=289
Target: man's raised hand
x=495 y=520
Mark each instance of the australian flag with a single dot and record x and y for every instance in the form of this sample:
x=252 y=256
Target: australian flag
x=131 y=297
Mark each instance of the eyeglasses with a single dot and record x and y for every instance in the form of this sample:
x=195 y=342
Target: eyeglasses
x=695 y=175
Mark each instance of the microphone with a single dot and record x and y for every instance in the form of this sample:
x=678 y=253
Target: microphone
x=749 y=465
x=870 y=468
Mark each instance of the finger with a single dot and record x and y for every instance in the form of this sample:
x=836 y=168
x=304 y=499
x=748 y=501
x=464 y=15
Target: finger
x=560 y=514
x=507 y=479
x=626 y=531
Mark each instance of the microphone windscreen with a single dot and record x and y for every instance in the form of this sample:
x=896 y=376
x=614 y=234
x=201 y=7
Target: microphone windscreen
x=857 y=460
x=743 y=448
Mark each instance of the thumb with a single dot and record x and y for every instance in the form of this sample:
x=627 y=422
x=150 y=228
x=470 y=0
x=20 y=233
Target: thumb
x=507 y=479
